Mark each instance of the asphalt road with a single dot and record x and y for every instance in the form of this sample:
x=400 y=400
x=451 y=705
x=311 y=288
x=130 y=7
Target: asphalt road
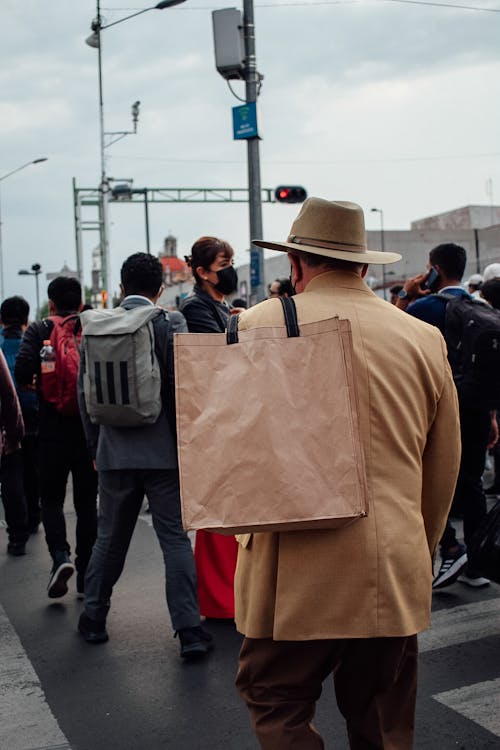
x=59 y=693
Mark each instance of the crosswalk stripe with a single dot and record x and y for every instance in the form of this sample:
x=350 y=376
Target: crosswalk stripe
x=478 y=702
x=469 y=622
x=26 y=721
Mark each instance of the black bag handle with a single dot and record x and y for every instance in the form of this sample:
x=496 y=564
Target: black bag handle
x=291 y=322
x=290 y=313
x=232 y=329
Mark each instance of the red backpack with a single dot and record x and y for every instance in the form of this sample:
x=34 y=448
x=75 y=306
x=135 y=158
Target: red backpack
x=59 y=386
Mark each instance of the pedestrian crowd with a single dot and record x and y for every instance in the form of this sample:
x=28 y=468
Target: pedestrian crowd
x=92 y=394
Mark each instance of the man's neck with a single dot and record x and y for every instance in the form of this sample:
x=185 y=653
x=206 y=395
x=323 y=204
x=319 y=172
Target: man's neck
x=151 y=300
x=449 y=282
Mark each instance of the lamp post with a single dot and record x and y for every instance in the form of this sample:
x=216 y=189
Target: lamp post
x=36 y=270
x=94 y=40
x=2 y=178
x=252 y=85
x=382 y=244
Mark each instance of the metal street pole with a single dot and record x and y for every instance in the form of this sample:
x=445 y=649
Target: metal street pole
x=104 y=185
x=252 y=80
x=146 y=220
x=37 y=274
x=382 y=245
x=36 y=270
x=95 y=40
x=2 y=178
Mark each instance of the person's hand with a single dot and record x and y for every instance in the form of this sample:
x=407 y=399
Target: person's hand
x=493 y=436
x=236 y=310
x=415 y=287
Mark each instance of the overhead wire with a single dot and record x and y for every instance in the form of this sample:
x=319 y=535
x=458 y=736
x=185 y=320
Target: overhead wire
x=301 y=4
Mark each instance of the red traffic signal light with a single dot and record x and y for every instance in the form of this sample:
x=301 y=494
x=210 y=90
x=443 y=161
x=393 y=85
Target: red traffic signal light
x=290 y=194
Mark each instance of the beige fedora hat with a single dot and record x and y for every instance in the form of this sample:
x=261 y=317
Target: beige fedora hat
x=335 y=229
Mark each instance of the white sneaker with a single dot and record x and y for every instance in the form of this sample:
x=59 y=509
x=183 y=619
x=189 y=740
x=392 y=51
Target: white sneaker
x=476 y=581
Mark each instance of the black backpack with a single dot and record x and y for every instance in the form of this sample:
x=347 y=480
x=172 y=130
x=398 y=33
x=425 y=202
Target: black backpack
x=472 y=333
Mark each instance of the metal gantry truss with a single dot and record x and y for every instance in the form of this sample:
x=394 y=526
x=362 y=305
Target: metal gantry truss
x=84 y=198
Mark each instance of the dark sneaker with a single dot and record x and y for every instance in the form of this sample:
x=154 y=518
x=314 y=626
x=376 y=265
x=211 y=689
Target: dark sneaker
x=451 y=567
x=195 y=642
x=92 y=631
x=61 y=572
x=16 y=549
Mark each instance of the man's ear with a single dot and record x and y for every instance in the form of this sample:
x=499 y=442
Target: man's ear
x=52 y=308
x=296 y=274
x=157 y=296
x=364 y=270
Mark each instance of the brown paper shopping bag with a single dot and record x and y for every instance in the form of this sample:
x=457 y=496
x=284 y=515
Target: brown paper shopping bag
x=267 y=428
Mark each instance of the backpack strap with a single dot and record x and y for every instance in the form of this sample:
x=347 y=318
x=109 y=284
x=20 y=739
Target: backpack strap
x=447 y=296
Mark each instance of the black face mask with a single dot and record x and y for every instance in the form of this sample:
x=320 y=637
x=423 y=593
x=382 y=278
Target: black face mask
x=227 y=280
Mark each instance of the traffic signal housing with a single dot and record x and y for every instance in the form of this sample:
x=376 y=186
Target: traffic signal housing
x=290 y=194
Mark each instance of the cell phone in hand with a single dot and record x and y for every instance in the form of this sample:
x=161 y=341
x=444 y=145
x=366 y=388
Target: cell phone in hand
x=432 y=280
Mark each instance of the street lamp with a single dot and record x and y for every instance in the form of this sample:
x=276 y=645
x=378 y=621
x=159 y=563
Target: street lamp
x=94 y=40
x=36 y=270
x=382 y=244
x=2 y=178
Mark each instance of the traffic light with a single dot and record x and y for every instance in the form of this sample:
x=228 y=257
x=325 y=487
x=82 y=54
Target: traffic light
x=290 y=194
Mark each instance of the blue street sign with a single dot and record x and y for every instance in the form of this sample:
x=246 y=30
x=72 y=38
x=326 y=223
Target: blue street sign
x=254 y=268
x=245 y=121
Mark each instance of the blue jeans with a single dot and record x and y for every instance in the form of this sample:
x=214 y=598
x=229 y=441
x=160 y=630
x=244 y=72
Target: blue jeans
x=121 y=493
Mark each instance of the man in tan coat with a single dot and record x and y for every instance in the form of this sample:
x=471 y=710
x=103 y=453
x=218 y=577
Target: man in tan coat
x=350 y=601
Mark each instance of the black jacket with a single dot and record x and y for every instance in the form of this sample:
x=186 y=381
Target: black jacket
x=203 y=314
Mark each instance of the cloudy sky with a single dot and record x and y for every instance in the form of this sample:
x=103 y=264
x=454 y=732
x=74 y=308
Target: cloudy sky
x=389 y=103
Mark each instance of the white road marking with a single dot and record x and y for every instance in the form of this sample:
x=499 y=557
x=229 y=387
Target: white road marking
x=26 y=721
x=479 y=703
x=469 y=622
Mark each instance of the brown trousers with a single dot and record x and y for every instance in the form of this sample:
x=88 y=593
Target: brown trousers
x=375 y=685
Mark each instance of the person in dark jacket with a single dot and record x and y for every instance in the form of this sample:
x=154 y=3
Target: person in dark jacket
x=211 y=263
x=206 y=311
x=11 y=434
x=62 y=449
x=14 y=314
x=135 y=461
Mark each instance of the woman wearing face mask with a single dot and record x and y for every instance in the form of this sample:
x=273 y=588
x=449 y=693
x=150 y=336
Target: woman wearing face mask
x=206 y=311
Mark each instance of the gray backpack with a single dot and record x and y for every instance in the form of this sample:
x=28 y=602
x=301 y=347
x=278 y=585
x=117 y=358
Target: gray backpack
x=122 y=377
